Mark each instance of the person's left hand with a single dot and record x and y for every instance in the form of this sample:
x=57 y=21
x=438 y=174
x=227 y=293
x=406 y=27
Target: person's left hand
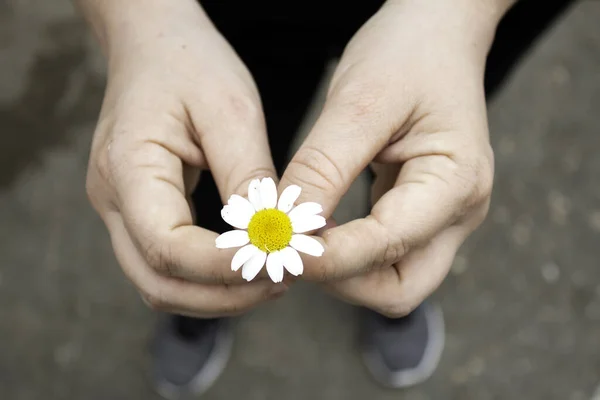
x=407 y=95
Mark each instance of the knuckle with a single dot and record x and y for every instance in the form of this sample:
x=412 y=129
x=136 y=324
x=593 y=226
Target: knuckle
x=314 y=168
x=391 y=249
x=244 y=108
x=388 y=255
x=481 y=213
x=153 y=255
x=103 y=167
x=158 y=256
x=114 y=158
x=98 y=184
x=101 y=174
x=477 y=175
x=485 y=178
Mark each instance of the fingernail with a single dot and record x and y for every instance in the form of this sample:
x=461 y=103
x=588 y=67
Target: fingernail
x=279 y=289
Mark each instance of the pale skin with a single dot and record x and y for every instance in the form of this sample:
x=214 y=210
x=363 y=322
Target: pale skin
x=407 y=92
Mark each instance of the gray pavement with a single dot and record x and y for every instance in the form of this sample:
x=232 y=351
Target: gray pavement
x=522 y=302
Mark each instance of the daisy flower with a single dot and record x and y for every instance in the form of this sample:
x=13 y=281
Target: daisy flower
x=270 y=230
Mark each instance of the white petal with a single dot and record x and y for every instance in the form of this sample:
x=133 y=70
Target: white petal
x=235 y=216
x=268 y=193
x=288 y=197
x=307 y=244
x=292 y=261
x=275 y=266
x=254 y=194
x=308 y=224
x=305 y=210
x=253 y=266
x=243 y=255
x=230 y=239
x=243 y=205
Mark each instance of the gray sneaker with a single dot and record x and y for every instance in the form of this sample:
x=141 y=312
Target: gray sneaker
x=406 y=351
x=189 y=355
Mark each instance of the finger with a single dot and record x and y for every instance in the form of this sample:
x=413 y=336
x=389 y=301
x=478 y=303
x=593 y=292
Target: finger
x=397 y=290
x=149 y=181
x=230 y=127
x=180 y=296
x=356 y=123
x=431 y=193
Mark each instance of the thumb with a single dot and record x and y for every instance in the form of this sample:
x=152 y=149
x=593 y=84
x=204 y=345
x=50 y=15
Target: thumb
x=233 y=136
x=346 y=137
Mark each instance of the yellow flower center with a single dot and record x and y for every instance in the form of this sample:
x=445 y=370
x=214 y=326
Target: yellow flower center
x=270 y=230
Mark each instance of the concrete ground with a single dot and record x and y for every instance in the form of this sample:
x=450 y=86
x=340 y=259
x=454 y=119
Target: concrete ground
x=522 y=302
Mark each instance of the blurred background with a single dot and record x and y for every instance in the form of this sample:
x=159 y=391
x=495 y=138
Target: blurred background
x=522 y=302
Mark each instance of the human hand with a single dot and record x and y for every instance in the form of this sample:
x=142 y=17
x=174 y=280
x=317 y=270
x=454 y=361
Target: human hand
x=178 y=100
x=407 y=97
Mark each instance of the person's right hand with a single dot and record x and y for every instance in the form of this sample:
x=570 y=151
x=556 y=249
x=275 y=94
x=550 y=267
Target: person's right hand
x=178 y=100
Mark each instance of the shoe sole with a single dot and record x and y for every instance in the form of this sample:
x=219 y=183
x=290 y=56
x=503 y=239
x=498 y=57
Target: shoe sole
x=210 y=372
x=423 y=371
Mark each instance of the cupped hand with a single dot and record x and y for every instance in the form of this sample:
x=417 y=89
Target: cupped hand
x=178 y=100
x=407 y=98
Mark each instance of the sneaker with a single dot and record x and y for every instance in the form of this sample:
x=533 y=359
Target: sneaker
x=189 y=355
x=406 y=351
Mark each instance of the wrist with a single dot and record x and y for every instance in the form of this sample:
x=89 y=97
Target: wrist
x=120 y=25
x=470 y=23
